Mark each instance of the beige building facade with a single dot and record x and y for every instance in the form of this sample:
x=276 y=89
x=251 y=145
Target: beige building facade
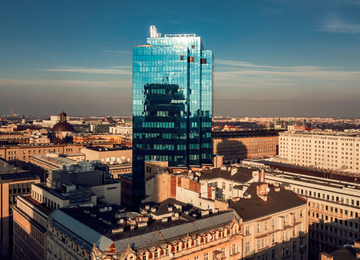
x=11 y=186
x=333 y=209
x=337 y=151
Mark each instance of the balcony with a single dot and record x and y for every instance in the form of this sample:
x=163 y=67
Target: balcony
x=302 y=248
x=303 y=233
x=249 y=254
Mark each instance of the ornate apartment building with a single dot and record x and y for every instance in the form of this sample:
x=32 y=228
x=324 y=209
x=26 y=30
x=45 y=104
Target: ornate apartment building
x=333 y=208
x=337 y=151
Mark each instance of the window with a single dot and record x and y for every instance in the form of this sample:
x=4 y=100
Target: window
x=247 y=230
x=206 y=256
x=203 y=61
x=156 y=253
x=188 y=244
x=273 y=254
x=273 y=238
x=181 y=57
x=266 y=225
x=258 y=227
x=223 y=252
x=248 y=247
x=233 y=249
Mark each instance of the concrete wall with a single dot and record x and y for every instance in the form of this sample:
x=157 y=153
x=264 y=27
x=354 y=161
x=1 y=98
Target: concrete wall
x=109 y=193
x=98 y=155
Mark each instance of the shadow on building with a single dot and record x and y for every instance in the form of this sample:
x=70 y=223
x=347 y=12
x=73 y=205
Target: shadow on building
x=328 y=236
x=232 y=150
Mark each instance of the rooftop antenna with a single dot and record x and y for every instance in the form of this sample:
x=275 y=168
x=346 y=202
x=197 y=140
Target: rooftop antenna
x=153 y=32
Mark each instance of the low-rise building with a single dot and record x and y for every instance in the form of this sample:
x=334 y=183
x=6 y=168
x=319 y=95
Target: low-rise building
x=107 y=154
x=274 y=222
x=238 y=145
x=13 y=182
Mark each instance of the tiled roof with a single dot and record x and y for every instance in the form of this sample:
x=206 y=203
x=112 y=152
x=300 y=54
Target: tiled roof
x=243 y=175
x=255 y=207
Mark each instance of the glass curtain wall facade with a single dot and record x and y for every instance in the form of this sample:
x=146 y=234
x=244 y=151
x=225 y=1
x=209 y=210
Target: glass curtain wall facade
x=172 y=104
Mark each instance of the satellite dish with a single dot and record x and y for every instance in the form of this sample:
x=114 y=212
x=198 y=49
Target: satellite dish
x=128 y=159
x=102 y=160
x=110 y=208
x=123 y=158
x=111 y=162
x=267 y=189
x=118 y=160
x=107 y=160
x=171 y=255
x=113 y=159
x=209 y=236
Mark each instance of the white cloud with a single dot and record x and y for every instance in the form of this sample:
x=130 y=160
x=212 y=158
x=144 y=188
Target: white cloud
x=114 y=70
x=116 y=53
x=63 y=83
x=338 y=26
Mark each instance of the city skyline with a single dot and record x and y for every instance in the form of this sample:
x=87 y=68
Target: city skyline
x=298 y=58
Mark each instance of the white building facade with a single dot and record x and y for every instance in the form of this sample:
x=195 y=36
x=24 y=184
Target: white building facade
x=337 y=151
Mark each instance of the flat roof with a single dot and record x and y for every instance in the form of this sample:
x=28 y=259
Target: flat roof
x=18 y=175
x=107 y=149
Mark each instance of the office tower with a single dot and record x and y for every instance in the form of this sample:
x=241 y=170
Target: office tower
x=172 y=103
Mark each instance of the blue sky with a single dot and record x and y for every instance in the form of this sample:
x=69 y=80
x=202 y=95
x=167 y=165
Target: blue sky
x=294 y=57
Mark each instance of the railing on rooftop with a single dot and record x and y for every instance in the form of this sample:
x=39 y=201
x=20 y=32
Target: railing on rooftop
x=179 y=35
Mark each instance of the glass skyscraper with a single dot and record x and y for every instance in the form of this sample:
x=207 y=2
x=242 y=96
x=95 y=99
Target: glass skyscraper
x=172 y=104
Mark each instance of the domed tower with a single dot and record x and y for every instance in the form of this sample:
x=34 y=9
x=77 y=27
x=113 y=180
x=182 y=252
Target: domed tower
x=63 y=117
x=64 y=127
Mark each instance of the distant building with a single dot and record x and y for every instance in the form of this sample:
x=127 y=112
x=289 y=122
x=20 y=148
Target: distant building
x=21 y=153
x=238 y=145
x=126 y=189
x=122 y=130
x=108 y=154
x=63 y=126
x=336 y=151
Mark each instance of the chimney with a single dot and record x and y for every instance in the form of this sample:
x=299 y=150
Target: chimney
x=262 y=191
x=262 y=176
x=356 y=243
